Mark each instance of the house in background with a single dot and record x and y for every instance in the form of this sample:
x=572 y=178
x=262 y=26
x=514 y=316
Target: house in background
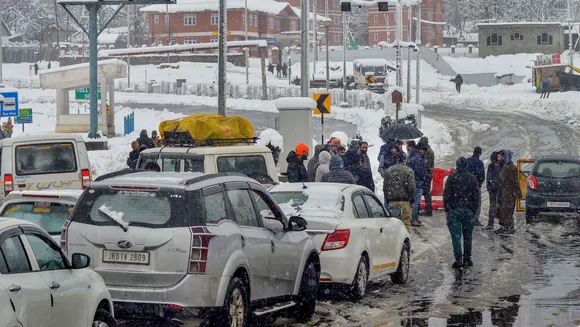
x=528 y=37
x=453 y=38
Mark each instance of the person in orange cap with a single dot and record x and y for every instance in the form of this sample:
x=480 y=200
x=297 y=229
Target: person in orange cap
x=297 y=172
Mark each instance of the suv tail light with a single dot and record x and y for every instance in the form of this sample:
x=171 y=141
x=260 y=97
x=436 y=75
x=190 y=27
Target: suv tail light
x=336 y=240
x=532 y=182
x=64 y=237
x=200 y=238
x=8 y=184
x=85 y=177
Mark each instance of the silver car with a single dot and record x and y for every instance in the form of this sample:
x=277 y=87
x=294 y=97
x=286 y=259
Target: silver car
x=180 y=245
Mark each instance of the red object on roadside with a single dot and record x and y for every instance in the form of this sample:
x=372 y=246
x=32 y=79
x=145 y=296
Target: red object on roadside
x=437 y=186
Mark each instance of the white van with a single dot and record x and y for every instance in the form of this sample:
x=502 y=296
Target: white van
x=44 y=161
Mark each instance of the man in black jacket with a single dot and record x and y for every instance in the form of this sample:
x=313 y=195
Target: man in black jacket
x=476 y=168
x=297 y=173
x=461 y=199
x=492 y=180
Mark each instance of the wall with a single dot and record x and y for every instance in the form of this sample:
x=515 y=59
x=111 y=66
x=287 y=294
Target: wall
x=236 y=59
x=529 y=43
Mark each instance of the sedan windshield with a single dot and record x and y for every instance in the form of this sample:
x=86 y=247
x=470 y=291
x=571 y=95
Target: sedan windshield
x=558 y=169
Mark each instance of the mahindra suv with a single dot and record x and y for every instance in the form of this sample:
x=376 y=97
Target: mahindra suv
x=183 y=245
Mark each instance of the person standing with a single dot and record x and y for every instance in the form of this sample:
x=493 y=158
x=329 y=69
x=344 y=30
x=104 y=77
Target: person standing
x=49 y=65
x=476 y=168
x=509 y=192
x=492 y=184
x=417 y=164
x=313 y=163
x=460 y=199
x=365 y=170
x=458 y=82
x=333 y=145
x=285 y=70
x=399 y=188
x=156 y=139
x=429 y=158
x=279 y=70
x=387 y=159
x=297 y=173
x=337 y=173
x=133 y=155
x=35 y=68
x=323 y=165
x=145 y=140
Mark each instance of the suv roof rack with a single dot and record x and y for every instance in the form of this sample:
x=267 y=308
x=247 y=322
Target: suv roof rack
x=122 y=172
x=184 y=139
x=210 y=176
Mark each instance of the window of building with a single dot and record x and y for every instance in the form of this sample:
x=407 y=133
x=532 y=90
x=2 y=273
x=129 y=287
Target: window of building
x=255 y=20
x=293 y=25
x=337 y=20
x=215 y=19
x=337 y=37
x=438 y=7
x=156 y=19
x=189 y=20
x=213 y=39
x=517 y=36
x=172 y=41
x=376 y=18
x=166 y=19
x=336 y=3
x=189 y=40
x=244 y=19
x=271 y=22
x=376 y=36
x=545 y=39
x=494 y=39
x=278 y=27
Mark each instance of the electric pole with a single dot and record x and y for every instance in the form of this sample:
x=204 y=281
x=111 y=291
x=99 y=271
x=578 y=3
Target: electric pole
x=304 y=78
x=222 y=59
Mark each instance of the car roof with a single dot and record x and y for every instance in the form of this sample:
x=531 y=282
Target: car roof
x=42 y=137
x=232 y=149
x=63 y=194
x=299 y=187
x=171 y=179
x=558 y=157
x=12 y=222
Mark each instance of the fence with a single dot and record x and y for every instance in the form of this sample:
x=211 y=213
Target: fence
x=129 y=123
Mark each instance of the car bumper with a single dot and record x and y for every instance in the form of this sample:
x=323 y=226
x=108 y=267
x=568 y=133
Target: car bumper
x=337 y=266
x=539 y=203
x=193 y=291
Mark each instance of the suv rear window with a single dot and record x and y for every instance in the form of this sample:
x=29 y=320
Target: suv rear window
x=48 y=215
x=46 y=158
x=558 y=169
x=145 y=208
x=247 y=165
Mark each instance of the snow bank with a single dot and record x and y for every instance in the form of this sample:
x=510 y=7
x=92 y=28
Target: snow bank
x=479 y=127
x=271 y=136
x=116 y=216
x=323 y=200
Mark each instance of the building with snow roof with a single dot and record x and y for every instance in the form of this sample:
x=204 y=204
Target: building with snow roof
x=520 y=37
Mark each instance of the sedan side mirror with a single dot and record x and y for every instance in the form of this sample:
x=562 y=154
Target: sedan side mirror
x=297 y=224
x=395 y=212
x=80 y=261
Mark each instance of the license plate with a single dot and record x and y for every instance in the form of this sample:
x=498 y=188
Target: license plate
x=139 y=258
x=559 y=204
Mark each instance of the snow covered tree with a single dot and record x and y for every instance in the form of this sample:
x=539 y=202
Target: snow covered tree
x=359 y=25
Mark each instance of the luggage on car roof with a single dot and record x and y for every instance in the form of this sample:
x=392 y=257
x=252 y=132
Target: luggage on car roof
x=206 y=129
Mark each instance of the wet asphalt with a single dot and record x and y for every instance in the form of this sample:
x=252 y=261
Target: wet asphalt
x=531 y=279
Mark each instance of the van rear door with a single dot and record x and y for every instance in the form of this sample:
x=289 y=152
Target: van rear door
x=50 y=164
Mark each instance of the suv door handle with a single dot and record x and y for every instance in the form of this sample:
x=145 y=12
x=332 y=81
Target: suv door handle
x=14 y=288
x=54 y=285
x=272 y=246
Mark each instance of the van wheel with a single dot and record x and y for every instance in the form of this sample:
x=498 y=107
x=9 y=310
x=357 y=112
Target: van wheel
x=304 y=309
x=359 y=284
x=234 y=313
x=402 y=274
x=103 y=319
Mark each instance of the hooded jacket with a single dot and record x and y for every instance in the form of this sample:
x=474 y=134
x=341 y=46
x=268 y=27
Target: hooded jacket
x=417 y=164
x=323 y=165
x=429 y=158
x=509 y=187
x=387 y=160
x=399 y=184
x=337 y=173
x=492 y=176
x=145 y=140
x=475 y=167
x=296 y=171
x=313 y=163
x=461 y=189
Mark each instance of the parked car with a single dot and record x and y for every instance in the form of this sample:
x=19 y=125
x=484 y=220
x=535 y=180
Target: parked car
x=48 y=209
x=182 y=245
x=553 y=186
x=358 y=240
x=44 y=161
x=42 y=287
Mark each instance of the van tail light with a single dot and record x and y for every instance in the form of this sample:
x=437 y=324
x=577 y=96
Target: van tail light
x=85 y=177
x=337 y=240
x=532 y=182
x=200 y=239
x=8 y=184
x=64 y=237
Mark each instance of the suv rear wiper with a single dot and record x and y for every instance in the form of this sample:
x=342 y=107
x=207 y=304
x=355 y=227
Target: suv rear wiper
x=114 y=216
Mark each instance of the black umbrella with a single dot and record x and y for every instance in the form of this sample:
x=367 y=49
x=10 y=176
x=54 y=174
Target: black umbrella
x=401 y=132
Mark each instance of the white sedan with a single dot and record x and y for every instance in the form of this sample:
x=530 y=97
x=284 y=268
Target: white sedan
x=358 y=240
x=42 y=287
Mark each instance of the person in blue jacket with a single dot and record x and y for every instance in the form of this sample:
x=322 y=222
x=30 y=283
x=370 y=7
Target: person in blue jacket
x=476 y=168
x=417 y=164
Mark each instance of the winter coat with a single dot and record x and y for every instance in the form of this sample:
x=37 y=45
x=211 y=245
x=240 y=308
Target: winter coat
x=323 y=165
x=429 y=159
x=386 y=162
x=386 y=148
x=337 y=173
x=352 y=162
x=492 y=177
x=458 y=80
x=509 y=188
x=313 y=163
x=132 y=160
x=145 y=140
x=365 y=173
x=297 y=173
x=476 y=168
x=399 y=184
x=461 y=189
x=417 y=164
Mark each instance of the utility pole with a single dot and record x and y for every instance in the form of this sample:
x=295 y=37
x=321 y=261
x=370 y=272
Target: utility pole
x=418 y=35
x=315 y=32
x=398 y=39
x=344 y=37
x=57 y=30
x=222 y=59
x=128 y=46
x=409 y=39
x=1 y=54
x=247 y=50
x=304 y=78
x=570 y=47
x=326 y=27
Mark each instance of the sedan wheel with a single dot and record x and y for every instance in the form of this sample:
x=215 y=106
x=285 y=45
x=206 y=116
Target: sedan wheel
x=103 y=319
x=360 y=281
x=402 y=274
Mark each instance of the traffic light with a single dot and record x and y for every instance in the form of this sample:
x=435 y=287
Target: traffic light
x=345 y=6
x=383 y=6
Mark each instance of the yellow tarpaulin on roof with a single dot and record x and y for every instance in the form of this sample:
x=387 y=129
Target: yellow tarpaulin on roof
x=575 y=69
x=209 y=127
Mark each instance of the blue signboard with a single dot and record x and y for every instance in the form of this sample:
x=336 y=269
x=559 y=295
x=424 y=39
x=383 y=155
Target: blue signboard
x=10 y=106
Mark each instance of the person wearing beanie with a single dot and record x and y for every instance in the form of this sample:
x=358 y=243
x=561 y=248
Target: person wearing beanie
x=476 y=168
x=297 y=172
x=429 y=158
x=461 y=200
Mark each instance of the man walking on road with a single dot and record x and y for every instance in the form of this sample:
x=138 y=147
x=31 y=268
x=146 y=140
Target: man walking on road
x=509 y=192
x=458 y=82
x=461 y=198
x=417 y=164
x=476 y=168
x=492 y=183
x=429 y=158
x=399 y=188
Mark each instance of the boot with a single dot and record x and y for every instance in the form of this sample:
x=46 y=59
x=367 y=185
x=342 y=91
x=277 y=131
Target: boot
x=457 y=264
x=467 y=262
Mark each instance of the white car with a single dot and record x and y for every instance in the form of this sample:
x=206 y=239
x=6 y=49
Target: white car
x=48 y=209
x=42 y=287
x=358 y=240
